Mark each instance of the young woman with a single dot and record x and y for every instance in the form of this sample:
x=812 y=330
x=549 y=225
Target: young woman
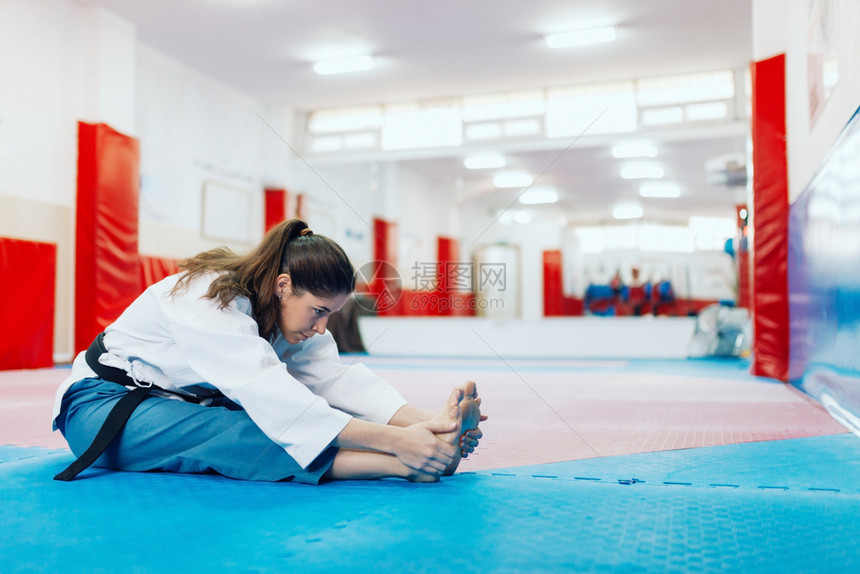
x=238 y=375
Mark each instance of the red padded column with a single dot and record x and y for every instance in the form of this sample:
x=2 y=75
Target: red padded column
x=553 y=294
x=27 y=289
x=770 y=221
x=447 y=253
x=276 y=207
x=107 y=265
x=385 y=250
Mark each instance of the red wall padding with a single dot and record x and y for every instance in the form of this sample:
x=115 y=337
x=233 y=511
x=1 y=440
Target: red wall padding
x=770 y=221
x=553 y=290
x=276 y=207
x=555 y=302
x=385 y=249
x=447 y=255
x=107 y=265
x=27 y=289
x=456 y=280
x=154 y=269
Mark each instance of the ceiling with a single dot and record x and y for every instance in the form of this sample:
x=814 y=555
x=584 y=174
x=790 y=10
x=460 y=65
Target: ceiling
x=461 y=47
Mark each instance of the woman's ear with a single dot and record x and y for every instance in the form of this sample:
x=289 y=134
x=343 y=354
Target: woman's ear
x=284 y=285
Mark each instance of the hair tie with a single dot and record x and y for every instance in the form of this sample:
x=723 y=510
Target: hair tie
x=305 y=231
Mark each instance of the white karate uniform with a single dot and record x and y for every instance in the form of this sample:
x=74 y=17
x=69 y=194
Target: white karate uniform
x=300 y=395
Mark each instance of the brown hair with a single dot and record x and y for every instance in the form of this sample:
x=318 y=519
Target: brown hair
x=315 y=263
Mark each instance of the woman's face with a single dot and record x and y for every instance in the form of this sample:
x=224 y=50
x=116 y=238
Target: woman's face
x=303 y=316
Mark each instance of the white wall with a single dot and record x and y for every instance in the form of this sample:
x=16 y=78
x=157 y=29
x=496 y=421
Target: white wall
x=482 y=228
x=781 y=26
x=424 y=213
x=60 y=63
x=556 y=337
x=43 y=53
x=343 y=199
x=194 y=131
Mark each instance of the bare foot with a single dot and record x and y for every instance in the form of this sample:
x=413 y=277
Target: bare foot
x=463 y=408
x=470 y=435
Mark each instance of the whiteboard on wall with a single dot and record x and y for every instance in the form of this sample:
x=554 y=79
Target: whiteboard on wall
x=226 y=212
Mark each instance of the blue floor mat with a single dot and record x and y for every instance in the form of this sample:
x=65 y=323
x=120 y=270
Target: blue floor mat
x=815 y=464
x=781 y=506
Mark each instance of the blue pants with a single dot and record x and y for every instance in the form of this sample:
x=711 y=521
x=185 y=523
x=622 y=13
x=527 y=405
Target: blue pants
x=175 y=436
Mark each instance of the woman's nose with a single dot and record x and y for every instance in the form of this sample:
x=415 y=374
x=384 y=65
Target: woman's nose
x=319 y=326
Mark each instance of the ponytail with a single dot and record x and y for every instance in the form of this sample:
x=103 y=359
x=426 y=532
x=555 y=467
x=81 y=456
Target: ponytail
x=315 y=263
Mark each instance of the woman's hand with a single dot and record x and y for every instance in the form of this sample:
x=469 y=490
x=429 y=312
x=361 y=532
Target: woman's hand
x=419 y=448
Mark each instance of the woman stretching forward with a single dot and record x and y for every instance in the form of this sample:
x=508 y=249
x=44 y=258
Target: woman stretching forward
x=238 y=375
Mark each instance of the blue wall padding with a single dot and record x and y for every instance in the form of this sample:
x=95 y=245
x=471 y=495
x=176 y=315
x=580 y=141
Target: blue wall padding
x=824 y=279
x=514 y=520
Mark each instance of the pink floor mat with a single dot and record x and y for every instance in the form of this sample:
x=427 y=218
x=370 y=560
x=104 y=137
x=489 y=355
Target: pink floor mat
x=536 y=417
x=26 y=400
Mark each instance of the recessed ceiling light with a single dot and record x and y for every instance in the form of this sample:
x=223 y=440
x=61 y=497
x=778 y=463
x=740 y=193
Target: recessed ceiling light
x=484 y=161
x=513 y=179
x=634 y=149
x=627 y=211
x=660 y=190
x=537 y=195
x=580 y=37
x=343 y=65
x=642 y=171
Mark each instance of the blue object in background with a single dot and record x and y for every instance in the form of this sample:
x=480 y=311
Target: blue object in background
x=824 y=281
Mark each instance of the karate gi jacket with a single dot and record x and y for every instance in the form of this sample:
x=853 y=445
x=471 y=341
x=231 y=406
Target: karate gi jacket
x=300 y=395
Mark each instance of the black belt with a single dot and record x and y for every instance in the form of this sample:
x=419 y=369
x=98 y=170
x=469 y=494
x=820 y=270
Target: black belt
x=118 y=416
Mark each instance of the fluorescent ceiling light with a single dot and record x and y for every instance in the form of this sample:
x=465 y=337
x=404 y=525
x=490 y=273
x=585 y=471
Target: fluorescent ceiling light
x=642 y=171
x=627 y=211
x=580 y=37
x=537 y=195
x=342 y=65
x=522 y=217
x=484 y=161
x=634 y=149
x=660 y=190
x=513 y=179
